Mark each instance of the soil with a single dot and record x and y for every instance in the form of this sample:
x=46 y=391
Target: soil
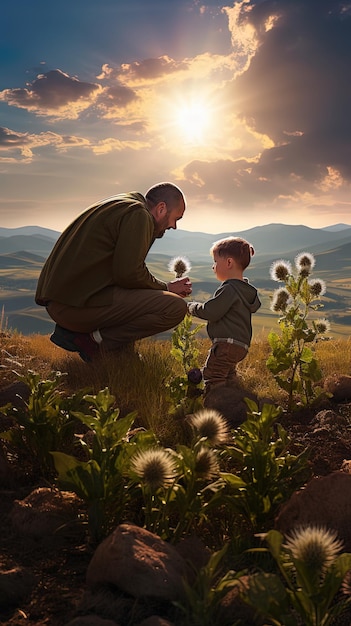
x=52 y=569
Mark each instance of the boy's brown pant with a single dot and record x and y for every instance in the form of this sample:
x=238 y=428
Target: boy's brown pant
x=133 y=314
x=221 y=362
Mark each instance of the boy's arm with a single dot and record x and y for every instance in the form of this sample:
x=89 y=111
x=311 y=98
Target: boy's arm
x=216 y=307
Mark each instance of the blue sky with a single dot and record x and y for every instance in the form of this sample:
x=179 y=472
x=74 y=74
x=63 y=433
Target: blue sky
x=245 y=105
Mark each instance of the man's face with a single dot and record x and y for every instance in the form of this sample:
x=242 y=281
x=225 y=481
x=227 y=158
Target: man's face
x=165 y=220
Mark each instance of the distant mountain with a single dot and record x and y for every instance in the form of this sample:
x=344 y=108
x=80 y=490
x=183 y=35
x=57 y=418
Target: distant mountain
x=29 y=230
x=24 y=250
x=270 y=241
x=335 y=227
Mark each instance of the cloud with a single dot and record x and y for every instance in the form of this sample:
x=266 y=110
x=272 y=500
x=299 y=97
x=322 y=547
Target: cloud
x=53 y=94
x=16 y=146
x=292 y=89
x=146 y=71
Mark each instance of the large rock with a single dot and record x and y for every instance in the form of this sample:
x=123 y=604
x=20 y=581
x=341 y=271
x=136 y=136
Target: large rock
x=139 y=563
x=325 y=501
x=339 y=386
x=229 y=400
x=43 y=511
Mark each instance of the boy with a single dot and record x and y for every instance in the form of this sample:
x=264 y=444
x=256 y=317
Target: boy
x=228 y=312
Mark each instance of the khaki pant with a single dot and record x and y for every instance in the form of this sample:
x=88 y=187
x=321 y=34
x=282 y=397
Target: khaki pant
x=133 y=314
x=221 y=362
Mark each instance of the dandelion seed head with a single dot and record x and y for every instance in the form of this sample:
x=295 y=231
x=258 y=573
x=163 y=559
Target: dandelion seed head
x=206 y=465
x=179 y=265
x=305 y=262
x=155 y=467
x=317 y=287
x=280 y=300
x=322 y=326
x=280 y=270
x=315 y=546
x=212 y=425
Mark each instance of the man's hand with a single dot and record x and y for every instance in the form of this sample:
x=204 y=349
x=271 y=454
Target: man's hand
x=180 y=286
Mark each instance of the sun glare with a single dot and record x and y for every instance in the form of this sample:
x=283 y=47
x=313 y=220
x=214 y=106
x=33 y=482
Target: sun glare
x=192 y=121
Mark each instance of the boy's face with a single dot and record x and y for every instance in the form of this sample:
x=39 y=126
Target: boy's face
x=221 y=266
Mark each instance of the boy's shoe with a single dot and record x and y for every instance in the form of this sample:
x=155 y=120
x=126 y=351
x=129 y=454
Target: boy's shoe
x=82 y=343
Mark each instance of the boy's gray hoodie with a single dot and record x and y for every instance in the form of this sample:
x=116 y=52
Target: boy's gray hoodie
x=228 y=312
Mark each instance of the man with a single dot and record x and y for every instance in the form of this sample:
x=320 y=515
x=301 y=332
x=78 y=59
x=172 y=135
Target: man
x=95 y=284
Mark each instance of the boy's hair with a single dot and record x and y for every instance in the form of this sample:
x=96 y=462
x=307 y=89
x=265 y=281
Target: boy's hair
x=235 y=247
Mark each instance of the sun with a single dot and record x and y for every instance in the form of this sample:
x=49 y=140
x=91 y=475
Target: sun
x=192 y=120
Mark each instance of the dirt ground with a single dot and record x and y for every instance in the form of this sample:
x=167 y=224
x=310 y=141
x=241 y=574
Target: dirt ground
x=52 y=570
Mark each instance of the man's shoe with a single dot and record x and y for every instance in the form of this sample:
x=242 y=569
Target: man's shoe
x=82 y=343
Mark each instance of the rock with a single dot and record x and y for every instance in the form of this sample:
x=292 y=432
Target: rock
x=139 y=563
x=232 y=608
x=15 y=585
x=325 y=501
x=339 y=386
x=43 y=511
x=229 y=400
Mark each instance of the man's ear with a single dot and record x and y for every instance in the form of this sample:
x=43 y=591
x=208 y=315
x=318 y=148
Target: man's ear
x=159 y=210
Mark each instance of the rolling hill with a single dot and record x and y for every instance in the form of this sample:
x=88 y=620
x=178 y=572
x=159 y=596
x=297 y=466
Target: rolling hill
x=23 y=252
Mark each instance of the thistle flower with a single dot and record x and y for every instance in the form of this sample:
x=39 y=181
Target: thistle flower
x=195 y=376
x=317 y=287
x=316 y=547
x=179 y=265
x=304 y=263
x=206 y=465
x=322 y=326
x=280 y=270
x=210 y=424
x=280 y=300
x=155 y=467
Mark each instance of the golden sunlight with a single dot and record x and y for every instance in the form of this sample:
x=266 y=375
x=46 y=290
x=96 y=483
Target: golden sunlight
x=193 y=120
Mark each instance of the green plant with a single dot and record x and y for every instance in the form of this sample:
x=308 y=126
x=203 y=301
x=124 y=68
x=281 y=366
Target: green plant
x=292 y=351
x=101 y=481
x=177 y=485
x=184 y=392
x=311 y=574
x=44 y=422
x=200 y=606
x=267 y=473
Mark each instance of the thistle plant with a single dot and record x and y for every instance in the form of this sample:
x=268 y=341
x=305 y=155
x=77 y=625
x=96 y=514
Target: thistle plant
x=179 y=265
x=210 y=425
x=185 y=390
x=102 y=479
x=312 y=572
x=266 y=471
x=292 y=350
x=179 y=486
x=42 y=423
x=201 y=601
x=155 y=471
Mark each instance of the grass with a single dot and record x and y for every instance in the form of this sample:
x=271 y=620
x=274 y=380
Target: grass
x=141 y=385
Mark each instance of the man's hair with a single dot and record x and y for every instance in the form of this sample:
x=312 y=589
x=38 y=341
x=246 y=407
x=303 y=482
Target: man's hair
x=236 y=248
x=164 y=192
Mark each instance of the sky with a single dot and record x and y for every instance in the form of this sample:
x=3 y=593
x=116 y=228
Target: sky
x=245 y=105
